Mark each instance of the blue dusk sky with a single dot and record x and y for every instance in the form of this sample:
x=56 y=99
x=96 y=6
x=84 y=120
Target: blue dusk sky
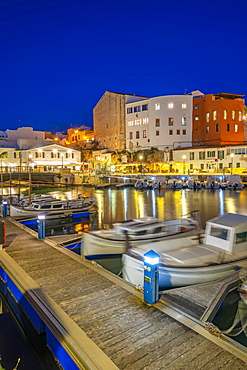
x=58 y=57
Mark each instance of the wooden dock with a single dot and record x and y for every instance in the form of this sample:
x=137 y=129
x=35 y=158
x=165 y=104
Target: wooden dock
x=106 y=317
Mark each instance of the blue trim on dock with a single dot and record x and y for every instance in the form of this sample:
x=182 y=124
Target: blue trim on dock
x=17 y=300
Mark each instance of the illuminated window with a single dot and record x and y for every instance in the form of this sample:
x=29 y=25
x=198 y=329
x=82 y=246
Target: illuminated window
x=137 y=109
x=207 y=129
x=145 y=120
x=137 y=122
x=170 y=105
x=214 y=115
x=144 y=134
x=131 y=123
x=197 y=118
x=240 y=116
x=233 y=115
x=131 y=135
x=236 y=128
x=145 y=107
x=137 y=134
x=197 y=106
x=192 y=156
x=184 y=105
x=225 y=114
x=157 y=133
x=170 y=121
x=157 y=106
x=129 y=110
x=157 y=122
x=207 y=117
x=183 y=121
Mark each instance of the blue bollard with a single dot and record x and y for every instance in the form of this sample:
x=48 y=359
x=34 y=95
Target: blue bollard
x=5 y=208
x=41 y=226
x=151 y=277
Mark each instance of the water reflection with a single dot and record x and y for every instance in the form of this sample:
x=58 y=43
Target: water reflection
x=121 y=204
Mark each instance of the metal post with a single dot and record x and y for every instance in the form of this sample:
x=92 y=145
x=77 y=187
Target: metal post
x=4 y=208
x=41 y=226
x=151 y=277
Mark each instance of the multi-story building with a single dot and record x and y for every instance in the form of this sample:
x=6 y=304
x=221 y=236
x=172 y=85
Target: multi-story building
x=213 y=158
x=80 y=137
x=22 y=138
x=218 y=119
x=109 y=117
x=49 y=157
x=163 y=122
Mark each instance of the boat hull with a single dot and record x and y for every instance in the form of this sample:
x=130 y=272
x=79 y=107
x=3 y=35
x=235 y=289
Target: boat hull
x=171 y=277
x=19 y=211
x=97 y=246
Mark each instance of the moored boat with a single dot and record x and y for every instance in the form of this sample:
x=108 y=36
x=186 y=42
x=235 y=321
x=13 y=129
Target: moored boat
x=185 y=263
x=212 y=183
x=99 y=243
x=174 y=184
x=234 y=182
x=194 y=184
x=54 y=208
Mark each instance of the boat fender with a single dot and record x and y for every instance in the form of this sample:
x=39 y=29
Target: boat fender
x=237 y=268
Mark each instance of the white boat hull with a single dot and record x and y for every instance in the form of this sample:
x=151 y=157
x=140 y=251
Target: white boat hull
x=171 y=277
x=22 y=211
x=99 y=246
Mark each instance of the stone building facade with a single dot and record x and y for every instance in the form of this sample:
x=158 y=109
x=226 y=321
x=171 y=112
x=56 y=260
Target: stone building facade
x=109 y=117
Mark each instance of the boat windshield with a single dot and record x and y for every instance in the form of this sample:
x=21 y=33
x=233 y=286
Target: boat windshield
x=219 y=232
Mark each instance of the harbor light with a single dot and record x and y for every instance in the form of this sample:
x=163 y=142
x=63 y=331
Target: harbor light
x=151 y=277
x=4 y=208
x=41 y=225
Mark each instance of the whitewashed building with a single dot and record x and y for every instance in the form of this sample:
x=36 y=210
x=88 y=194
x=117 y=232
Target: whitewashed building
x=213 y=159
x=45 y=158
x=163 y=122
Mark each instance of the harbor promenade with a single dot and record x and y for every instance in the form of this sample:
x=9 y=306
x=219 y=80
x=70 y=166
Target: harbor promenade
x=99 y=319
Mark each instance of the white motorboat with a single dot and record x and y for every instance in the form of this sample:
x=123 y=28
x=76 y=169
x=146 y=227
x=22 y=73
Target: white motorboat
x=99 y=243
x=54 y=208
x=194 y=184
x=182 y=262
x=234 y=182
x=174 y=184
x=212 y=183
x=143 y=184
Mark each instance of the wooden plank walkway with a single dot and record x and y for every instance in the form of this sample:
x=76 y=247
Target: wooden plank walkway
x=132 y=334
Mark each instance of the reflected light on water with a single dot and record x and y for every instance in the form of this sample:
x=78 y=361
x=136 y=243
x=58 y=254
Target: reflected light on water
x=125 y=199
x=221 y=203
x=184 y=203
x=231 y=205
x=160 y=207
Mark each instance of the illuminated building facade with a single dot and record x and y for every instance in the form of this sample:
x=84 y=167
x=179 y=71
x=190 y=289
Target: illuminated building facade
x=161 y=122
x=109 y=117
x=218 y=119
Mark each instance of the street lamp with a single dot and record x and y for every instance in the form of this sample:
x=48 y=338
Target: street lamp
x=184 y=157
x=232 y=156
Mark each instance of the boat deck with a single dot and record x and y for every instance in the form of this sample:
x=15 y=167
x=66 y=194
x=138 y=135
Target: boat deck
x=111 y=312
